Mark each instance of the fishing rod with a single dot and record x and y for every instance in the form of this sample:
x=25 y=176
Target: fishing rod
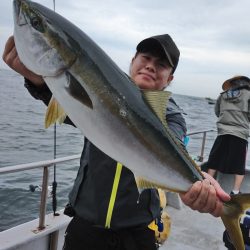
x=52 y=188
x=54 y=183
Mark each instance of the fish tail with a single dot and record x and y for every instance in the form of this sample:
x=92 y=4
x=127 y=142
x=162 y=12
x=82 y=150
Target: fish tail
x=232 y=213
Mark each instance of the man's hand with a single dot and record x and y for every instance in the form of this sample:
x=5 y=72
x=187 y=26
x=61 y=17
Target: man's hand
x=11 y=58
x=206 y=196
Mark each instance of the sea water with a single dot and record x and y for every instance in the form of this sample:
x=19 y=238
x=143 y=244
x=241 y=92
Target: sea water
x=23 y=139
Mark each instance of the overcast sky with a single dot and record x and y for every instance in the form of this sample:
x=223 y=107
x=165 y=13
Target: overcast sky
x=213 y=36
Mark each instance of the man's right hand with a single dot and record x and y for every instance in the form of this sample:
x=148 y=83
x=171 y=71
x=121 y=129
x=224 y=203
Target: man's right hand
x=206 y=196
x=11 y=58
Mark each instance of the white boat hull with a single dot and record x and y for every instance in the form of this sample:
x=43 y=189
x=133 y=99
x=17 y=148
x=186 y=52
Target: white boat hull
x=27 y=236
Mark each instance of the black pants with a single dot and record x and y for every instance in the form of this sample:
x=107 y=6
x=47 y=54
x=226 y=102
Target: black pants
x=81 y=235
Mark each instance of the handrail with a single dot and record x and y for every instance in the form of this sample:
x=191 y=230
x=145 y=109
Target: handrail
x=48 y=163
x=202 y=131
x=39 y=164
x=200 y=157
x=45 y=165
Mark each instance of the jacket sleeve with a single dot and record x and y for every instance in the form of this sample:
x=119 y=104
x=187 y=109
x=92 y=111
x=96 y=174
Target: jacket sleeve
x=42 y=93
x=217 y=106
x=248 y=114
x=175 y=120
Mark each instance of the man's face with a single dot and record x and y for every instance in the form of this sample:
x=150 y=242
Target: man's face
x=150 y=72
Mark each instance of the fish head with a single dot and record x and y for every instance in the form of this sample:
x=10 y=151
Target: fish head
x=42 y=46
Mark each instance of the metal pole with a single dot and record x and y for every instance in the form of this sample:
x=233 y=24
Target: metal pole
x=43 y=198
x=54 y=240
x=203 y=147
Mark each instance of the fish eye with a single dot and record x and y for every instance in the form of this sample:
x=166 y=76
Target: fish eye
x=37 y=24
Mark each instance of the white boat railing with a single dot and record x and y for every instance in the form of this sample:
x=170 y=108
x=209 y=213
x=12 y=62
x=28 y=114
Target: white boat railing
x=45 y=165
x=200 y=157
x=39 y=164
x=49 y=163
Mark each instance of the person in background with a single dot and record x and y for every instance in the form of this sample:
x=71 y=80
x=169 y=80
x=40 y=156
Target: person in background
x=152 y=67
x=228 y=154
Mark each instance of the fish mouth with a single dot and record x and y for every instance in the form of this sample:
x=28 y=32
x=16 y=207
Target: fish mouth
x=18 y=14
x=16 y=6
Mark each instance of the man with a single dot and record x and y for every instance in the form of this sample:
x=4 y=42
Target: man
x=152 y=68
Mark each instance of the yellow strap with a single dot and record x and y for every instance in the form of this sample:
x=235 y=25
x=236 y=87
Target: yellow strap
x=113 y=194
x=153 y=226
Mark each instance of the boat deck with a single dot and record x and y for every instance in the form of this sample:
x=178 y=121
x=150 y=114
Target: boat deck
x=191 y=230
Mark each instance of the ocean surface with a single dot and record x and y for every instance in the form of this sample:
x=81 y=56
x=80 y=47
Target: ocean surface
x=23 y=139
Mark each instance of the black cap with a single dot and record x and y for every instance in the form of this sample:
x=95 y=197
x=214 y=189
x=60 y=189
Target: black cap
x=165 y=43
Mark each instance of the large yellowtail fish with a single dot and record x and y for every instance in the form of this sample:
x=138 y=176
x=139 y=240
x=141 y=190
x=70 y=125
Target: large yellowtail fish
x=112 y=112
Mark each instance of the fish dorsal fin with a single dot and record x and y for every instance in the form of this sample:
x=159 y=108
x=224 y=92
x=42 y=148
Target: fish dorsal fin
x=158 y=101
x=54 y=113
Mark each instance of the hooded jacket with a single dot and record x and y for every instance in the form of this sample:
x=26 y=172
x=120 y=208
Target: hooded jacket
x=233 y=111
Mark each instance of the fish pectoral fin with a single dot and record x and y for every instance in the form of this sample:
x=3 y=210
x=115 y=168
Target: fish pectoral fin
x=158 y=101
x=233 y=210
x=54 y=113
x=76 y=90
